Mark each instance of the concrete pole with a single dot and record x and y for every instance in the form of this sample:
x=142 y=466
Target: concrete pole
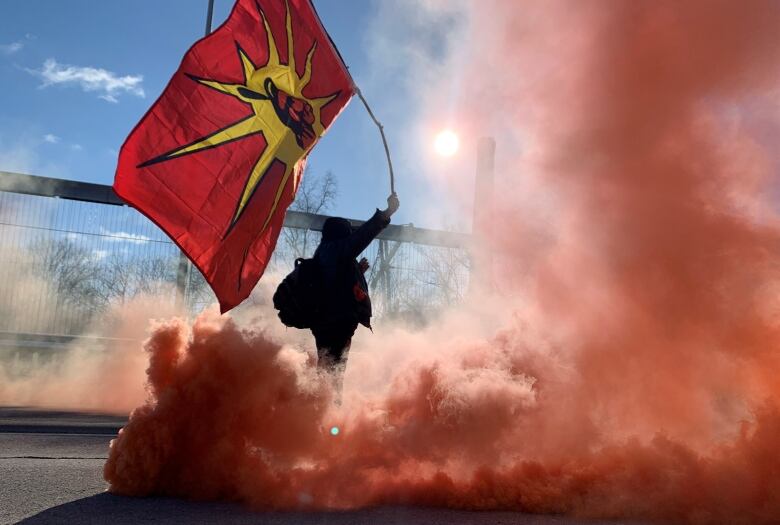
x=182 y=280
x=481 y=258
x=483 y=187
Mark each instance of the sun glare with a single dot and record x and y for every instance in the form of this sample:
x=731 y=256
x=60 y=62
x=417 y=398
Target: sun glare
x=446 y=143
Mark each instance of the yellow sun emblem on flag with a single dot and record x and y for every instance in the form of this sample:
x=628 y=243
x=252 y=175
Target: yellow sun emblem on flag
x=289 y=122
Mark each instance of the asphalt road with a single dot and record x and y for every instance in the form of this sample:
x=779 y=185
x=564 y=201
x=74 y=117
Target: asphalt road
x=51 y=472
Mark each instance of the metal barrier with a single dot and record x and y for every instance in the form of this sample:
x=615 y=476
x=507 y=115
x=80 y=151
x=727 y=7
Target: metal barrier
x=70 y=249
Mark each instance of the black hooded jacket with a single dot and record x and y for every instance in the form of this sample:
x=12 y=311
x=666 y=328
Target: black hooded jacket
x=346 y=297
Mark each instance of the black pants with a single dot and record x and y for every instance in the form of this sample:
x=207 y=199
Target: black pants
x=333 y=341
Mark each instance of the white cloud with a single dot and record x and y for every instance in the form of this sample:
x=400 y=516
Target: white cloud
x=51 y=139
x=76 y=147
x=120 y=236
x=10 y=49
x=107 y=84
x=100 y=254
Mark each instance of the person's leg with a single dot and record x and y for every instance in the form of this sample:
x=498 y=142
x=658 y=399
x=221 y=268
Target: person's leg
x=328 y=351
x=334 y=361
x=332 y=352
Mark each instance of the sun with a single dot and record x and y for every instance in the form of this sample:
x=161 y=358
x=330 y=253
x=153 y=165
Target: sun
x=446 y=143
x=289 y=121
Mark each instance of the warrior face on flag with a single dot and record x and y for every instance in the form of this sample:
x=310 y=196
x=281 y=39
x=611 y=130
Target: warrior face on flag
x=245 y=92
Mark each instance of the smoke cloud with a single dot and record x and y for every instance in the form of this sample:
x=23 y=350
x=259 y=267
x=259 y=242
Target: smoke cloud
x=627 y=363
x=103 y=371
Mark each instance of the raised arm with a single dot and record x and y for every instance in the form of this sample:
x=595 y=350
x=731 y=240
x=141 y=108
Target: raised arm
x=362 y=237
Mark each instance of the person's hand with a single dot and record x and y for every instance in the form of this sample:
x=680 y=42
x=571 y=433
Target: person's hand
x=363 y=265
x=392 y=204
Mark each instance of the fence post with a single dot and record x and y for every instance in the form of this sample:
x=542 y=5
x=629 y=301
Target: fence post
x=185 y=266
x=384 y=278
x=182 y=280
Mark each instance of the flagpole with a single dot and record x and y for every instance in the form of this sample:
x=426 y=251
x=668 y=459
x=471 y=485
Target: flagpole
x=209 y=16
x=384 y=139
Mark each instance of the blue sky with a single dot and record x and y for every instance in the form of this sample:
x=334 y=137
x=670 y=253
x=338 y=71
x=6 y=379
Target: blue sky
x=72 y=129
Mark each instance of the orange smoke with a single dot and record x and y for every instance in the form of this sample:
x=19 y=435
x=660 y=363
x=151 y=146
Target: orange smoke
x=104 y=374
x=637 y=373
x=237 y=416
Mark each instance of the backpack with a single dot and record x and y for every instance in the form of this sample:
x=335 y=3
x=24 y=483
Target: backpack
x=298 y=296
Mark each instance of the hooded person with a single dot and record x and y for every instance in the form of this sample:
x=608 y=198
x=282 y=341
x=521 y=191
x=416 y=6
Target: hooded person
x=345 y=303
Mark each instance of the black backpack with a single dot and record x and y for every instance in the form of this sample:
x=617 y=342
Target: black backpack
x=299 y=296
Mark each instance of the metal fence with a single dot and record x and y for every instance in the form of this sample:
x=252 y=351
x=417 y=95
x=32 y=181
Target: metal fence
x=69 y=250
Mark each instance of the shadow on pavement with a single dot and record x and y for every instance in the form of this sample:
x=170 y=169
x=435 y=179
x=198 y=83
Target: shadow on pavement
x=120 y=510
x=27 y=420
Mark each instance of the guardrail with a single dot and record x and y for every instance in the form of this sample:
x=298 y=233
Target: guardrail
x=104 y=194
x=69 y=249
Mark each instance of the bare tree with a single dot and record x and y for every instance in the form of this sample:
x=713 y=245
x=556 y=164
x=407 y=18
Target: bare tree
x=69 y=268
x=447 y=272
x=123 y=277
x=67 y=289
x=83 y=282
x=415 y=284
x=316 y=194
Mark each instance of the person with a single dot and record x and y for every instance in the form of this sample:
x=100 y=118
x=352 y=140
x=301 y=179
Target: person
x=345 y=302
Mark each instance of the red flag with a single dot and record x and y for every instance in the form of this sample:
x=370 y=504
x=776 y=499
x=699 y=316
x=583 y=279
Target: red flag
x=217 y=159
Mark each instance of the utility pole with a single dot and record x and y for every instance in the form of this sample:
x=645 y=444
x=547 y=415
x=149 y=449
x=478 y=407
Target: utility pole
x=184 y=269
x=481 y=258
